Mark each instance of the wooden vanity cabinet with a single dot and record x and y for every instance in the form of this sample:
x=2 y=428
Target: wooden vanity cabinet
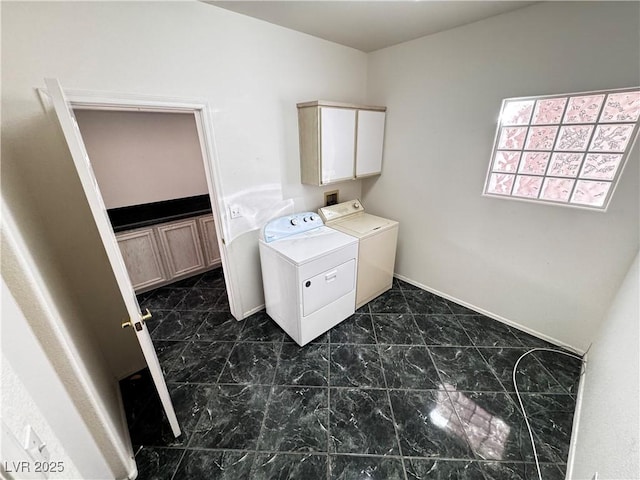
x=209 y=240
x=142 y=258
x=181 y=247
x=161 y=254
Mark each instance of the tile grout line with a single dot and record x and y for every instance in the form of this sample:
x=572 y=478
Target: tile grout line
x=477 y=349
x=475 y=456
x=506 y=392
x=187 y=343
x=195 y=427
x=171 y=365
x=267 y=405
x=384 y=378
x=509 y=394
x=553 y=376
x=455 y=410
x=542 y=449
x=216 y=384
x=184 y=454
x=367 y=455
x=235 y=343
x=340 y=387
x=495 y=375
x=204 y=320
x=329 y=406
x=379 y=346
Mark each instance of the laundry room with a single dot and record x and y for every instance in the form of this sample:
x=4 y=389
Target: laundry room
x=477 y=277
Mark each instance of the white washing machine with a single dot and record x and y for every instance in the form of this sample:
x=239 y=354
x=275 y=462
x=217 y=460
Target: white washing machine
x=308 y=273
x=377 y=251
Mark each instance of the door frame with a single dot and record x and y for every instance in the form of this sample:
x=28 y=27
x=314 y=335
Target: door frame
x=200 y=108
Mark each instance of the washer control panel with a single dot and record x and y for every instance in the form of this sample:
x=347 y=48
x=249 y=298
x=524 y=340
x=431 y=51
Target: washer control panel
x=340 y=210
x=290 y=225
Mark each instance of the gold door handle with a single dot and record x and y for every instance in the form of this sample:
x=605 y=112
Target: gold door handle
x=146 y=316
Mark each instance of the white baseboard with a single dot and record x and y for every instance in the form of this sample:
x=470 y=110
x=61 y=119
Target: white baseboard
x=576 y=418
x=492 y=315
x=581 y=387
x=252 y=311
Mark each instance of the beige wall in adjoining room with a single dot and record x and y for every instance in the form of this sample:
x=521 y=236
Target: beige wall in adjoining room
x=143 y=157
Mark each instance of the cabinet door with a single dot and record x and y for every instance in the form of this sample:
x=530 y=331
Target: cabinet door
x=337 y=144
x=369 y=142
x=181 y=246
x=142 y=258
x=209 y=240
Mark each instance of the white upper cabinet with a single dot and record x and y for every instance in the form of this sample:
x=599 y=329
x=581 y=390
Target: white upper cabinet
x=337 y=148
x=339 y=142
x=369 y=142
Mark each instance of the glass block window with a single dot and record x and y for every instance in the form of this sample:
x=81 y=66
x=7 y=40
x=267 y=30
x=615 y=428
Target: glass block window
x=563 y=149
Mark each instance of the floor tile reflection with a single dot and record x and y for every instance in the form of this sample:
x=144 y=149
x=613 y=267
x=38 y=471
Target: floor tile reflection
x=412 y=386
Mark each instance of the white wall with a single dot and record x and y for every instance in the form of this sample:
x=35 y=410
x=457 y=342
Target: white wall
x=608 y=439
x=250 y=72
x=32 y=394
x=60 y=365
x=549 y=269
x=143 y=157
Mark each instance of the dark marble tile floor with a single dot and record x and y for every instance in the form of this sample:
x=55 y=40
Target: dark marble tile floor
x=412 y=386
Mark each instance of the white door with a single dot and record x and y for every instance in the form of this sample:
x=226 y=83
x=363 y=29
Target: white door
x=94 y=198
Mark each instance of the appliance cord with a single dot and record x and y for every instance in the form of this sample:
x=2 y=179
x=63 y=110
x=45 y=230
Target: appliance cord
x=524 y=413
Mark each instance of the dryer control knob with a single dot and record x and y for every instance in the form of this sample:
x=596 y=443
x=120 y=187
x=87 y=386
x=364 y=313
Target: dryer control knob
x=356 y=205
x=294 y=221
x=312 y=218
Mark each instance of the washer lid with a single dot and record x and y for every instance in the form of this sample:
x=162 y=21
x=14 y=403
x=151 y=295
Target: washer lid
x=311 y=244
x=363 y=224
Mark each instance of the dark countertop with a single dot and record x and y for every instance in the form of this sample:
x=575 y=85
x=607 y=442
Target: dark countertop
x=137 y=216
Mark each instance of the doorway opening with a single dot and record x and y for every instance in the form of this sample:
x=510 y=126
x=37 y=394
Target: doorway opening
x=150 y=172
x=153 y=160
x=65 y=105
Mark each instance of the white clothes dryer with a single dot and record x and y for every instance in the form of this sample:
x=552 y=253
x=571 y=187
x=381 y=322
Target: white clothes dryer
x=378 y=239
x=308 y=273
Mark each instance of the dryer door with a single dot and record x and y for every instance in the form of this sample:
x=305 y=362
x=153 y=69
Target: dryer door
x=328 y=286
